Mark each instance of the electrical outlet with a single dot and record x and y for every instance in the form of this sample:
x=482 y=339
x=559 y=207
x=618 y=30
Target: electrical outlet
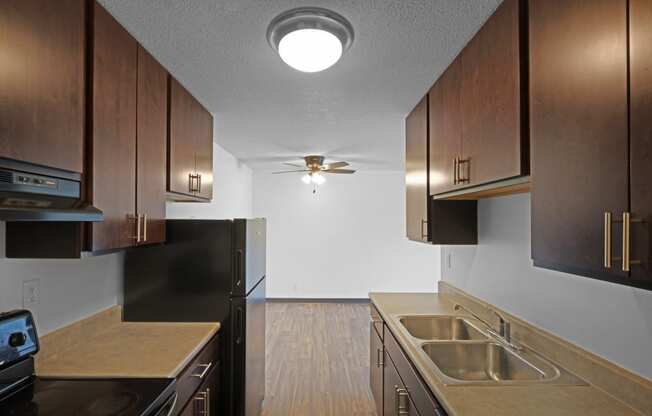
x=31 y=293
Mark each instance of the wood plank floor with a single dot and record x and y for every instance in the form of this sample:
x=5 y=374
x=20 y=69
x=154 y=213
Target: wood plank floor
x=317 y=360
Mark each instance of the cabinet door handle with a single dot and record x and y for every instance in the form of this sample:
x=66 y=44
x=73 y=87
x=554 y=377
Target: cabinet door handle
x=192 y=180
x=206 y=367
x=137 y=218
x=199 y=182
x=466 y=178
x=402 y=401
x=455 y=170
x=203 y=397
x=380 y=357
x=607 y=240
x=424 y=235
x=144 y=227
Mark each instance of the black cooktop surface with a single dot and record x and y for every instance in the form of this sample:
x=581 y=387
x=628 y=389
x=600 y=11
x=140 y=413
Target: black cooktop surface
x=49 y=397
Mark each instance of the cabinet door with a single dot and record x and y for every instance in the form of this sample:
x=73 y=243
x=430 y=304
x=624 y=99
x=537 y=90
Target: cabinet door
x=416 y=166
x=491 y=100
x=445 y=129
x=113 y=132
x=397 y=401
x=42 y=82
x=376 y=368
x=204 y=153
x=152 y=142
x=640 y=12
x=578 y=122
x=182 y=137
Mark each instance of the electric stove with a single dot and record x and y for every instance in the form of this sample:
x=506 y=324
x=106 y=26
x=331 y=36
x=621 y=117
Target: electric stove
x=24 y=394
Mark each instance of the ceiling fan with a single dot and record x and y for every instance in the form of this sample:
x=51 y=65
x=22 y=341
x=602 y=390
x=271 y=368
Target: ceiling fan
x=315 y=167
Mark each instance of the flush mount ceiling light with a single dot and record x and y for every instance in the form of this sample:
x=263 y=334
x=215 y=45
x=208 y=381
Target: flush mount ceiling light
x=310 y=39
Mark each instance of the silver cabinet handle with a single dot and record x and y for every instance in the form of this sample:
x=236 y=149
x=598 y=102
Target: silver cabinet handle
x=202 y=397
x=144 y=227
x=456 y=163
x=402 y=401
x=203 y=373
x=424 y=235
x=199 y=182
x=607 y=240
x=467 y=177
x=380 y=357
x=137 y=218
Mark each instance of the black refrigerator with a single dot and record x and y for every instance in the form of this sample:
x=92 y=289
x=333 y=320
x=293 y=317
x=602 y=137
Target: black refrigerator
x=209 y=270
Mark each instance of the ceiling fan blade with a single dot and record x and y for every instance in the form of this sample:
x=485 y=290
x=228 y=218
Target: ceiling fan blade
x=290 y=171
x=335 y=165
x=296 y=165
x=345 y=171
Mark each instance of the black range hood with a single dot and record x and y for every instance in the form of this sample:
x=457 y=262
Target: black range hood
x=34 y=193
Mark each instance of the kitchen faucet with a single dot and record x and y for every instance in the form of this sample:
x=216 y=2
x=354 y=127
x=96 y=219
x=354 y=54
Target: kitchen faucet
x=504 y=330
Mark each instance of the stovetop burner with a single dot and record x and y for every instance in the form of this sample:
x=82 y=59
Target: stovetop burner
x=91 y=397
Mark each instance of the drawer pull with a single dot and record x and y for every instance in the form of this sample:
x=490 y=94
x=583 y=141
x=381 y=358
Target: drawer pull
x=203 y=373
x=402 y=401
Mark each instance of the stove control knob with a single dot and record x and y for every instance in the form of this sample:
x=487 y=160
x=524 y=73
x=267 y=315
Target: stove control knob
x=17 y=339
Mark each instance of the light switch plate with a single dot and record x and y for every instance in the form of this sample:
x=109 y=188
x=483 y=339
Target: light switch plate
x=31 y=293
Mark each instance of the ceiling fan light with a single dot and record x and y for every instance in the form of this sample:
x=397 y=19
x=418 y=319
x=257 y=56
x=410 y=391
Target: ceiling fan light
x=306 y=179
x=318 y=179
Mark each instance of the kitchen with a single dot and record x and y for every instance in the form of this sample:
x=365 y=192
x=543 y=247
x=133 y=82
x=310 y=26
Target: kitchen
x=471 y=235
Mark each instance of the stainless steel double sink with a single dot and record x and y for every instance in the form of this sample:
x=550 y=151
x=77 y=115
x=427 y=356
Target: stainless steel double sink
x=461 y=353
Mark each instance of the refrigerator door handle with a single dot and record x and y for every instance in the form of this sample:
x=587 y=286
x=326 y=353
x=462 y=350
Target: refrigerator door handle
x=238 y=268
x=238 y=325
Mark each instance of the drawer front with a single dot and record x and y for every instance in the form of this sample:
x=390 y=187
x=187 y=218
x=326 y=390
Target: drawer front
x=420 y=394
x=196 y=372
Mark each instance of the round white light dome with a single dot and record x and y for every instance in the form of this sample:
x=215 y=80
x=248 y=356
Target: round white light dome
x=310 y=50
x=310 y=39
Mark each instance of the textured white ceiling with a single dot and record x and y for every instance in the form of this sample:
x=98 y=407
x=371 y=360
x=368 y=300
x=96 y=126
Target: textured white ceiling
x=267 y=112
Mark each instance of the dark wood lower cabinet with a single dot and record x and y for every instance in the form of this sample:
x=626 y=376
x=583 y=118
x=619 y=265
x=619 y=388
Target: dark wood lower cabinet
x=395 y=384
x=205 y=401
x=376 y=364
x=198 y=384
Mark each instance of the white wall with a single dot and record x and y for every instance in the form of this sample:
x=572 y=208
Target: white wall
x=232 y=191
x=611 y=320
x=344 y=241
x=69 y=290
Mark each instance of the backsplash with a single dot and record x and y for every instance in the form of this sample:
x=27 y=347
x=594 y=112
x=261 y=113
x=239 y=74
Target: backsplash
x=610 y=320
x=65 y=290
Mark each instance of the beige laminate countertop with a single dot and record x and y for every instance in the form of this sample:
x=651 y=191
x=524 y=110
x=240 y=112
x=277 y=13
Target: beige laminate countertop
x=458 y=400
x=103 y=346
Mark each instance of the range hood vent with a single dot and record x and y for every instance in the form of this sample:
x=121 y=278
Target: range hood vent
x=34 y=193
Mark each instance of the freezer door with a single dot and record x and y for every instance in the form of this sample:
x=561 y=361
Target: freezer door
x=250 y=240
x=248 y=370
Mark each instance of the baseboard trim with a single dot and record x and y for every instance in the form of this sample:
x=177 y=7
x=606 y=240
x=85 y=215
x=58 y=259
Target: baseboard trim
x=318 y=300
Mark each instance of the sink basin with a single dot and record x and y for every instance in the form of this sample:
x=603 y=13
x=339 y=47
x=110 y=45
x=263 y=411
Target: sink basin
x=441 y=328
x=483 y=362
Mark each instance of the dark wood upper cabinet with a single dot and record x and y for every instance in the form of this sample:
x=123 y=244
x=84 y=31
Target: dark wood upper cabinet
x=478 y=108
x=190 y=146
x=204 y=154
x=445 y=129
x=151 y=147
x=416 y=166
x=112 y=139
x=42 y=81
x=493 y=147
x=579 y=127
x=640 y=12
